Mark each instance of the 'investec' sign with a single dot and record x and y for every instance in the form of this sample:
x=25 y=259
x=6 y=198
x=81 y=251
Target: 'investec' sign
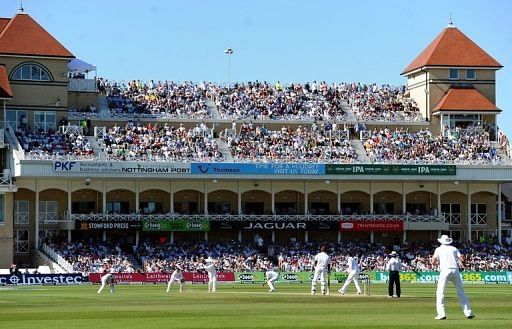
x=120 y=167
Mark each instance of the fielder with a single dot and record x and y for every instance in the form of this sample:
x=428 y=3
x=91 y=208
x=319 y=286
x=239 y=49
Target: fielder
x=270 y=276
x=212 y=274
x=353 y=275
x=446 y=256
x=176 y=276
x=107 y=278
x=322 y=267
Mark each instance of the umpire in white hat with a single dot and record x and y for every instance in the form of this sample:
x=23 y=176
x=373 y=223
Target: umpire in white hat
x=394 y=266
x=446 y=256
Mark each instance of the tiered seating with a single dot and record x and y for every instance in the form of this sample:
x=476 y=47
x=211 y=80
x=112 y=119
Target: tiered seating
x=161 y=99
x=161 y=143
x=46 y=145
x=315 y=143
x=384 y=103
x=90 y=257
x=261 y=100
x=402 y=145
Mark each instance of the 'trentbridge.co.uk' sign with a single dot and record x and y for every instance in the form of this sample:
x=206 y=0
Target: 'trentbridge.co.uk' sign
x=378 y=226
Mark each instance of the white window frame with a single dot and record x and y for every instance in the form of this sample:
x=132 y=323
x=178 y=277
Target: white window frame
x=44 y=124
x=477 y=217
x=25 y=72
x=48 y=216
x=467 y=75
x=450 y=74
x=21 y=216
x=452 y=218
x=21 y=246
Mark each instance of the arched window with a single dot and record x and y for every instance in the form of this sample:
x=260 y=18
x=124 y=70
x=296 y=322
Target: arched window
x=31 y=71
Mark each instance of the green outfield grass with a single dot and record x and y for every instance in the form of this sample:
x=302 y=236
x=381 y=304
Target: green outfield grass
x=246 y=306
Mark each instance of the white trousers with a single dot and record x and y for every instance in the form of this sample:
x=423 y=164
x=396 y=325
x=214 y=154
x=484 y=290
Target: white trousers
x=106 y=279
x=453 y=276
x=174 y=279
x=319 y=275
x=212 y=282
x=352 y=276
x=270 y=281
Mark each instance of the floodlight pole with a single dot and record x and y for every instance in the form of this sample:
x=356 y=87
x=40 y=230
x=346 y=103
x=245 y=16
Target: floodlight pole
x=229 y=52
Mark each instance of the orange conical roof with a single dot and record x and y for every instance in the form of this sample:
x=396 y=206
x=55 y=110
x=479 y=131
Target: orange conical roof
x=452 y=48
x=22 y=35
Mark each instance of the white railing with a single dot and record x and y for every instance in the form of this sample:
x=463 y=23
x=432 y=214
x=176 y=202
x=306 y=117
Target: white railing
x=21 y=218
x=479 y=219
x=56 y=257
x=6 y=178
x=249 y=218
x=71 y=130
x=452 y=218
x=87 y=85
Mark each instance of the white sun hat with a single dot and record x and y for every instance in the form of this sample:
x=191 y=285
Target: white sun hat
x=209 y=259
x=445 y=239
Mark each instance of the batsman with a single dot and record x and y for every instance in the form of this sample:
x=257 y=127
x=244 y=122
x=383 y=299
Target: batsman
x=321 y=267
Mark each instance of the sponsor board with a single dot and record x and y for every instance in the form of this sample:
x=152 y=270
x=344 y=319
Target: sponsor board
x=109 y=225
x=249 y=277
x=378 y=226
x=274 y=225
x=376 y=169
x=258 y=168
x=432 y=276
x=176 y=225
x=121 y=167
x=40 y=279
x=161 y=277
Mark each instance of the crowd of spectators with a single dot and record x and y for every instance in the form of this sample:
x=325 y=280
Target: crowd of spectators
x=401 y=145
x=86 y=256
x=294 y=101
x=51 y=144
x=380 y=103
x=232 y=256
x=163 y=142
x=314 y=143
x=162 y=98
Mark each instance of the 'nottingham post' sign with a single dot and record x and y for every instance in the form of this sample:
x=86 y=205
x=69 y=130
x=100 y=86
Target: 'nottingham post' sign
x=121 y=167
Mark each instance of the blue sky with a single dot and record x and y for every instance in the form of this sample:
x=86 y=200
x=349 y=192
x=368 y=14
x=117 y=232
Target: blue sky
x=368 y=41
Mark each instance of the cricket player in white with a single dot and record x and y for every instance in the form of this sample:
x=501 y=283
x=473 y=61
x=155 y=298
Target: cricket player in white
x=107 y=278
x=176 y=276
x=321 y=267
x=446 y=256
x=353 y=275
x=271 y=277
x=212 y=274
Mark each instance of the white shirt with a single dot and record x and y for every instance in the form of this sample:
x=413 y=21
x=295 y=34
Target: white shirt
x=177 y=275
x=447 y=256
x=394 y=264
x=352 y=264
x=271 y=274
x=322 y=261
x=210 y=268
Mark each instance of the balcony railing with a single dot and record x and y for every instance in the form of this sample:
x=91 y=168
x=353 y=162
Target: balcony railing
x=249 y=218
x=85 y=85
